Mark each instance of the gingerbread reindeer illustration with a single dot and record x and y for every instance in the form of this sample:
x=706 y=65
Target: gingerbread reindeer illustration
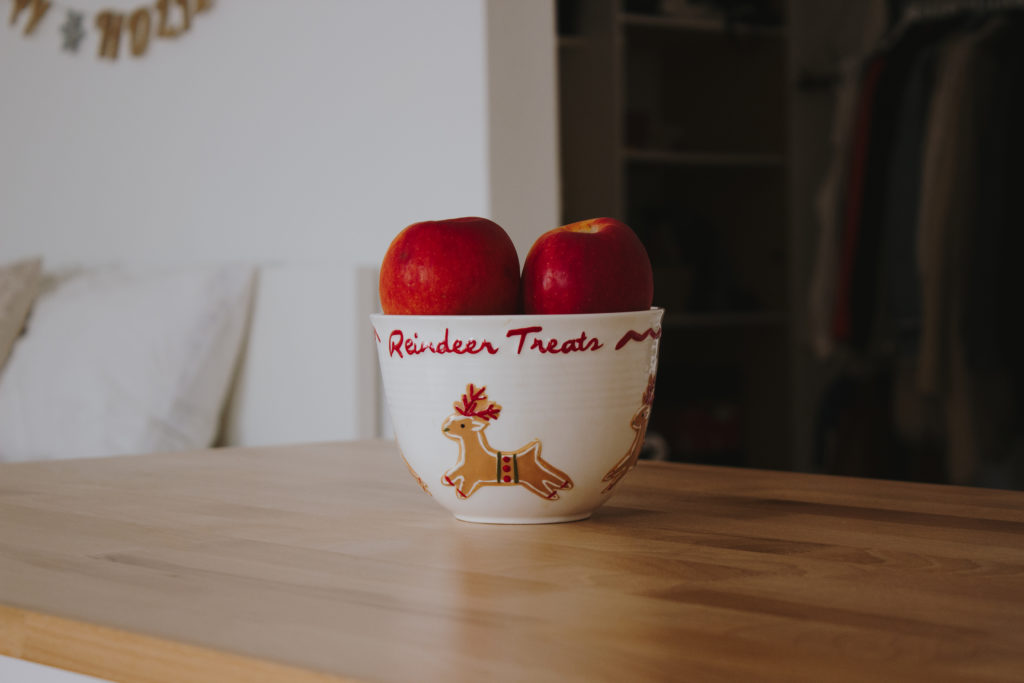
x=481 y=465
x=639 y=425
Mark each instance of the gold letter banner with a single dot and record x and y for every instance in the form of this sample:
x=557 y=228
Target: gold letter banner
x=163 y=19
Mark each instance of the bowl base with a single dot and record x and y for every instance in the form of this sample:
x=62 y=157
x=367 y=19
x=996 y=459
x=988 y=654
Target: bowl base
x=524 y=520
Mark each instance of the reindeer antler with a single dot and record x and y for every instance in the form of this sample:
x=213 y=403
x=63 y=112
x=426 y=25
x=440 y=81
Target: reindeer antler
x=471 y=398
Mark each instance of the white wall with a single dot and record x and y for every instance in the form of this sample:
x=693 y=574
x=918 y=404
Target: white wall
x=271 y=130
x=522 y=127
x=301 y=132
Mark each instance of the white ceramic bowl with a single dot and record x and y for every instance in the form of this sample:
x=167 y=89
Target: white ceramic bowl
x=519 y=419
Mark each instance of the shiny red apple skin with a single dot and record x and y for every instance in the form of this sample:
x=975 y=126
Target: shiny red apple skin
x=457 y=266
x=593 y=266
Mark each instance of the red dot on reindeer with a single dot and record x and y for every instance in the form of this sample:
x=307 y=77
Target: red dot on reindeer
x=506 y=478
x=506 y=468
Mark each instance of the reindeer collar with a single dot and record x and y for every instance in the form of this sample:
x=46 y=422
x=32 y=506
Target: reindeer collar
x=507 y=469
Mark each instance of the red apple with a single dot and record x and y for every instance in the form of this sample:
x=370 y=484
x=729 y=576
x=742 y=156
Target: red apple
x=458 y=266
x=593 y=266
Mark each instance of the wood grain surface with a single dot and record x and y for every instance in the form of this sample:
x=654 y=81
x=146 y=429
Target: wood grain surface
x=327 y=562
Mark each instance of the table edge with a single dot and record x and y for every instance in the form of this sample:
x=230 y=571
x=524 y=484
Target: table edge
x=118 y=655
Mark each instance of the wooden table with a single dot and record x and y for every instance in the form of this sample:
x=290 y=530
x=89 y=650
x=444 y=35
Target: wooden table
x=327 y=562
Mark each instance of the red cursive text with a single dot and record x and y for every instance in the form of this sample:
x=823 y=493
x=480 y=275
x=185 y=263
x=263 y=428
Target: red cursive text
x=398 y=344
x=580 y=343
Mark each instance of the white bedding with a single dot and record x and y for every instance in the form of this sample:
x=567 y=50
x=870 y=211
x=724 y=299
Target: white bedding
x=119 y=360
x=157 y=358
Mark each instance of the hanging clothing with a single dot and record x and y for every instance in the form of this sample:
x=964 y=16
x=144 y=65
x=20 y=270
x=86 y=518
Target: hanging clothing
x=946 y=201
x=853 y=203
x=921 y=262
x=899 y=300
x=822 y=288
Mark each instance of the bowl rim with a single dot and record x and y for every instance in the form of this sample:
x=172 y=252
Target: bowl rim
x=519 y=316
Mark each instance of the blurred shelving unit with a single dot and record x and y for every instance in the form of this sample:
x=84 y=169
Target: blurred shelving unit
x=673 y=118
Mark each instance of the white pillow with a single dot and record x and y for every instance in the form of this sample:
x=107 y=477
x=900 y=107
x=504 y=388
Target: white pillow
x=119 y=361
x=19 y=286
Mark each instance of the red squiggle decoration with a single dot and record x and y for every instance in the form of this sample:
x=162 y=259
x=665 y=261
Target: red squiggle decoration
x=633 y=335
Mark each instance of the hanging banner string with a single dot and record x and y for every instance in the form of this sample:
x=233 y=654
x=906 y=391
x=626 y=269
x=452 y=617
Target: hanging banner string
x=163 y=19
